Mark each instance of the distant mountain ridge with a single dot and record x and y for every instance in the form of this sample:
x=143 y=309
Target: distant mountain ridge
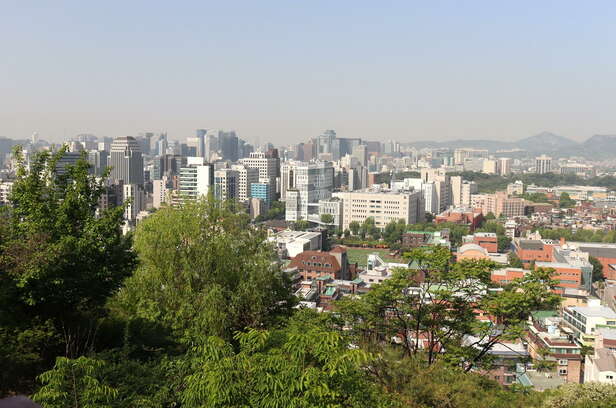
x=595 y=147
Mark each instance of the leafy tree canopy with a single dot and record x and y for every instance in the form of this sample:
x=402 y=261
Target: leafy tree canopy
x=203 y=271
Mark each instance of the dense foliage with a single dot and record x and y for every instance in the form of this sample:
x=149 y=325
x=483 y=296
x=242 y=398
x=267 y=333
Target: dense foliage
x=60 y=261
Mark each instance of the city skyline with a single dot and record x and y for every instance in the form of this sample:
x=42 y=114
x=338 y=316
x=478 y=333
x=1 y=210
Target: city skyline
x=275 y=72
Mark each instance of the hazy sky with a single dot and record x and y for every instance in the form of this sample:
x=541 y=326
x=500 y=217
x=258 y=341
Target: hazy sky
x=285 y=70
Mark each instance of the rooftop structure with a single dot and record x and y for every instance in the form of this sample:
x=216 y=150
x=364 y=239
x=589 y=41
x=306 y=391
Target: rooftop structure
x=291 y=243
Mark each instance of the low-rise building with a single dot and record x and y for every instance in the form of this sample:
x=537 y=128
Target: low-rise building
x=416 y=239
x=585 y=321
x=311 y=265
x=600 y=366
x=290 y=243
x=549 y=340
x=487 y=240
x=505 y=276
x=377 y=270
x=461 y=216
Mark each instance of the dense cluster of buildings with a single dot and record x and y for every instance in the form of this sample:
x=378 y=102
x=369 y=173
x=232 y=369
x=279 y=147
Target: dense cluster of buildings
x=332 y=183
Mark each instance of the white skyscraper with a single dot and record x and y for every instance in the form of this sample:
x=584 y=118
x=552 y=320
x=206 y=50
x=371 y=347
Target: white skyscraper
x=543 y=164
x=196 y=180
x=303 y=185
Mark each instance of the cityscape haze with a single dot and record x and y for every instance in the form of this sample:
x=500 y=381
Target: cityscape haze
x=281 y=71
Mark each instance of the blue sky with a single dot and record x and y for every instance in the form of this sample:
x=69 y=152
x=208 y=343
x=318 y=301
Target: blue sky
x=285 y=70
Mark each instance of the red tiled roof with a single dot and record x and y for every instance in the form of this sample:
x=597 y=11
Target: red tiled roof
x=315 y=261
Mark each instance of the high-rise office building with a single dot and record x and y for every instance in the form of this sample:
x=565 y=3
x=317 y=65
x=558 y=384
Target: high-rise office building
x=346 y=145
x=201 y=135
x=196 y=180
x=263 y=192
x=226 y=184
x=303 y=185
x=228 y=145
x=98 y=161
x=268 y=166
x=68 y=159
x=443 y=185
x=360 y=152
x=329 y=145
x=543 y=164
x=504 y=166
x=246 y=177
x=126 y=160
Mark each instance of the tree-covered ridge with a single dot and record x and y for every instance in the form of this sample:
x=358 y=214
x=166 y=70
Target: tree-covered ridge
x=489 y=183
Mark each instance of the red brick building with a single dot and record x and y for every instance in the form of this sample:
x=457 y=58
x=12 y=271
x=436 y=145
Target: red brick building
x=317 y=264
x=487 y=240
x=471 y=218
x=507 y=275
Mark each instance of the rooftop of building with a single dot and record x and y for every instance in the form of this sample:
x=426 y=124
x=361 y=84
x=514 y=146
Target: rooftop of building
x=472 y=247
x=543 y=314
x=485 y=234
x=316 y=261
x=530 y=244
x=594 y=311
x=540 y=381
x=290 y=235
x=504 y=271
x=607 y=333
x=605 y=359
x=542 y=264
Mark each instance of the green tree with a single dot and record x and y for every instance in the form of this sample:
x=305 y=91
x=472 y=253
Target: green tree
x=354 y=227
x=60 y=259
x=204 y=271
x=301 y=225
x=592 y=395
x=368 y=227
x=392 y=234
x=597 y=269
x=514 y=260
x=414 y=384
x=566 y=201
x=327 y=218
x=436 y=305
x=306 y=364
x=73 y=383
x=504 y=243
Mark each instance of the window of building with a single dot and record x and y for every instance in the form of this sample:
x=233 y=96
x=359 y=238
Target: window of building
x=562 y=371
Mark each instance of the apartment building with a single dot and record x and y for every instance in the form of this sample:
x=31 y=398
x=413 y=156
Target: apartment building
x=585 y=321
